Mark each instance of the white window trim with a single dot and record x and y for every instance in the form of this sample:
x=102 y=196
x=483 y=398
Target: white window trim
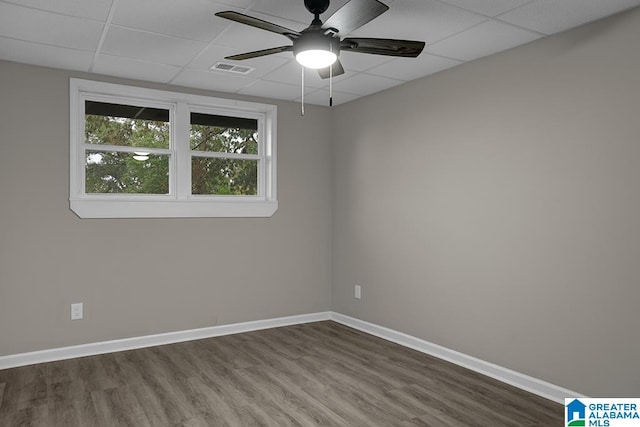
x=179 y=202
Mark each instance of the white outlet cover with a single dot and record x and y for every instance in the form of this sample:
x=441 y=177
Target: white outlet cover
x=358 y=293
x=76 y=311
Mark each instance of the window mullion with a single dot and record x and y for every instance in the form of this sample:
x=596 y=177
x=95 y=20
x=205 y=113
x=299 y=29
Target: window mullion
x=222 y=155
x=126 y=149
x=181 y=147
x=261 y=162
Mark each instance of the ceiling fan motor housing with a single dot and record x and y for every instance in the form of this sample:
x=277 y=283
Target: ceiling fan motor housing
x=316 y=7
x=316 y=39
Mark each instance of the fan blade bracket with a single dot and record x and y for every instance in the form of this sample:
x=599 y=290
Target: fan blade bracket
x=388 y=47
x=333 y=32
x=346 y=44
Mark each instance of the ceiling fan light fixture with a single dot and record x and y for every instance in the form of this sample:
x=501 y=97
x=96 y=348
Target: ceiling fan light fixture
x=315 y=49
x=316 y=58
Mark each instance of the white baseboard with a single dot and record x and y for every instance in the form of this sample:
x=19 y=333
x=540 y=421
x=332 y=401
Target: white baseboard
x=91 y=349
x=516 y=379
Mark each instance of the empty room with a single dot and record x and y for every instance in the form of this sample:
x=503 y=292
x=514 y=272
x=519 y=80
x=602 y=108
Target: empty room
x=303 y=212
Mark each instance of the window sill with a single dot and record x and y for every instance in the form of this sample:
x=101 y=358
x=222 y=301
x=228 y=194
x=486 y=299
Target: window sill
x=173 y=209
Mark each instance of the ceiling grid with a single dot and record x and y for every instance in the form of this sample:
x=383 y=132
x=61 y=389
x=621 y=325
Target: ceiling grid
x=178 y=42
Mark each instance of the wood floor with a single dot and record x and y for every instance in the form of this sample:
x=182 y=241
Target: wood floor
x=316 y=374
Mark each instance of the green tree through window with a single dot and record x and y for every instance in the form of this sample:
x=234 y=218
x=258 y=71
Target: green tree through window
x=125 y=172
x=223 y=175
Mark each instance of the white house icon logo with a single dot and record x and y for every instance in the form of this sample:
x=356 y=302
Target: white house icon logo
x=576 y=413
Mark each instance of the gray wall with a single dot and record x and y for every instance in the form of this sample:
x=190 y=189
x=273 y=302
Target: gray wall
x=494 y=208
x=143 y=276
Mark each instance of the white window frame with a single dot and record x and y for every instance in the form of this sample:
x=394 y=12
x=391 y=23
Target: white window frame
x=179 y=202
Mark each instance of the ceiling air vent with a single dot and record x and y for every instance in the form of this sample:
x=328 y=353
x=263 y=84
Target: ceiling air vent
x=230 y=68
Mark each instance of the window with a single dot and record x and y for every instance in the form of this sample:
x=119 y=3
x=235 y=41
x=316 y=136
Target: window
x=147 y=153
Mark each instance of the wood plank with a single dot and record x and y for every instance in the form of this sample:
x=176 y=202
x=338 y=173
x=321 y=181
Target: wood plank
x=313 y=374
x=2 y=387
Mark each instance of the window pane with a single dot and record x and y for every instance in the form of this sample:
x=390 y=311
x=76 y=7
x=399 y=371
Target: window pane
x=224 y=134
x=137 y=173
x=128 y=125
x=224 y=176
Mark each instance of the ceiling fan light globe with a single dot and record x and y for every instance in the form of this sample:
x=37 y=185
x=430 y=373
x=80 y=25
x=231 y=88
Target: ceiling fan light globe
x=316 y=58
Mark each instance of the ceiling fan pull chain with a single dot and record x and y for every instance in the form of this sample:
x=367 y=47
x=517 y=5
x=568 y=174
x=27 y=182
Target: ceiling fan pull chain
x=331 y=85
x=302 y=104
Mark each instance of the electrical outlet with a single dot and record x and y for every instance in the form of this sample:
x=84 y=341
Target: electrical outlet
x=76 y=311
x=358 y=294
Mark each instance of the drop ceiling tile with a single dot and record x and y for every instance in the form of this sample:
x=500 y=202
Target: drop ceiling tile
x=552 y=16
x=365 y=84
x=50 y=28
x=212 y=80
x=239 y=4
x=134 y=69
x=488 y=7
x=413 y=68
x=213 y=54
x=362 y=61
x=426 y=20
x=291 y=73
x=150 y=47
x=190 y=19
x=321 y=97
x=485 y=39
x=272 y=90
x=44 y=55
x=153 y=39
x=94 y=9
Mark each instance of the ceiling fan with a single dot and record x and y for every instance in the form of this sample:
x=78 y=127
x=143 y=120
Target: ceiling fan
x=319 y=45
